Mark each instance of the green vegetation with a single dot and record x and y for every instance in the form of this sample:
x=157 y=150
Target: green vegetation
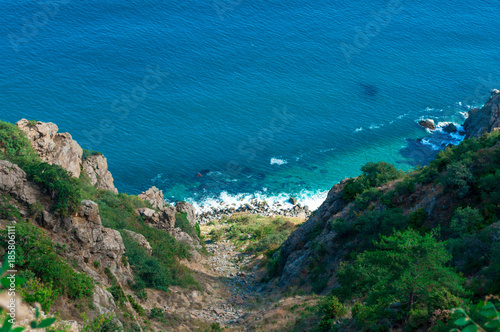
x=405 y=266
x=102 y=323
x=48 y=274
x=65 y=190
x=88 y=153
x=374 y=175
x=36 y=252
x=182 y=222
x=5 y=284
x=259 y=234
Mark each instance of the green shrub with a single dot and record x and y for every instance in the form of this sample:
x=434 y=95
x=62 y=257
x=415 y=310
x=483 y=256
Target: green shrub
x=403 y=268
x=7 y=210
x=332 y=310
x=458 y=178
x=157 y=313
x=34 y=290
x=35 y=251
x=374 y=175
x=102 y=323
x=36 y=209
x=88 y=153
x=466 y=220
x=182 y=222
x=64 y=189
x=137 y=307
x=416 y=220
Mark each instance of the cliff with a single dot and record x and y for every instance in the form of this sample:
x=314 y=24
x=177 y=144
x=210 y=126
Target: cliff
x=486 y=119
x=78 y=240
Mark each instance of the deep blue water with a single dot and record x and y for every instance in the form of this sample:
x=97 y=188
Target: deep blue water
x=257 y=96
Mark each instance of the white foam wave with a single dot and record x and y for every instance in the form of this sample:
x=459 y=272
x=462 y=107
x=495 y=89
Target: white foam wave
x=277 y=161
x=358 y=129
x=275 y=202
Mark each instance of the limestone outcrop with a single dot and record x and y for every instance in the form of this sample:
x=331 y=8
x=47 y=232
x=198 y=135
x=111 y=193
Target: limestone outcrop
x=97 y=243
x=96 y=167
x=53 y=147
x=154 y=196
x=163 y=219
x=13 y=182
x=141 y=240
x=486 y=119
x=189 y=210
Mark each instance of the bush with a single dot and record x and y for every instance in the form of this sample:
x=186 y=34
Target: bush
x=88 y=153
x=374 y=175
x=35 y=251
x=34 y=290
x=182 y=222
x=458 y=178
x=103 y=323
x=332 y=310
x=466 y=220
x=156 y=313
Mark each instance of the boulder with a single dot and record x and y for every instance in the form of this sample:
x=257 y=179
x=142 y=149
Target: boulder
x=13 y=182
x=292 y=200
x=154 y=196
x=450 y=128
x=427 y=123
x=484 y=120
x=97 y=242
x=141 y=240
x=146 y=212
x=96 y=167
x=53 y=147
x=163 y=219
x=188 y=209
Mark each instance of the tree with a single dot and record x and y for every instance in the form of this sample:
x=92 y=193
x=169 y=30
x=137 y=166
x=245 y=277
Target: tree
x=405 y=268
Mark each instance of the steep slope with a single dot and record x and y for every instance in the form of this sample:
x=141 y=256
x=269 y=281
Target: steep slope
x=456 y=199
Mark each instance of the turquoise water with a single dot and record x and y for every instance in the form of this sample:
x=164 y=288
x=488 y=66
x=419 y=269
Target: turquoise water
x=254 y=96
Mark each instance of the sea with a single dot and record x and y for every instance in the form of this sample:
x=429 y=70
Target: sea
x=232 y=100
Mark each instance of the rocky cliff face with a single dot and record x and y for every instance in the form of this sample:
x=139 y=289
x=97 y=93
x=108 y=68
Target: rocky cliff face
x=53 y=147
x=61 y=149
x=154 y=196
x=486 y=119
x=96 y=167
x=83 y=230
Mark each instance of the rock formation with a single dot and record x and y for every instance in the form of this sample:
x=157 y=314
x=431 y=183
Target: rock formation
x=61 y=149
x=486 y=119
x=188 y=209
x=141 y=240
x=427 y=123
x=13 y=181
x=154 y=196
x=53 y=147
x=96 y=167
x=163 y=219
